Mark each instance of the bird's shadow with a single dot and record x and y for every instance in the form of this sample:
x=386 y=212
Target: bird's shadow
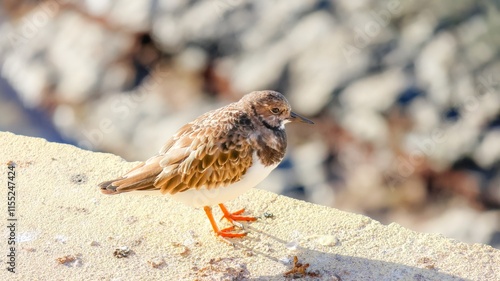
x=330 y=266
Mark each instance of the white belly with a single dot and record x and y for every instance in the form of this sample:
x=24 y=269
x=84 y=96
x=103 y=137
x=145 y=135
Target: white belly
x=204 y=197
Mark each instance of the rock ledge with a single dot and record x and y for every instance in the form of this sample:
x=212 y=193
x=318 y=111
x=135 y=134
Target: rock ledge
x=66 y=228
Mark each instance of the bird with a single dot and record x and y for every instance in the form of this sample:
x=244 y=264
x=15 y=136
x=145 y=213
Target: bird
x=217 y=157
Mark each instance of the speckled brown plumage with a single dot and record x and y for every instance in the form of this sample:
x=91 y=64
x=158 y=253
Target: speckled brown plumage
x=216 y=149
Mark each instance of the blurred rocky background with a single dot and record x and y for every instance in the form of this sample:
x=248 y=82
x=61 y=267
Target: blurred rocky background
x=404 y=94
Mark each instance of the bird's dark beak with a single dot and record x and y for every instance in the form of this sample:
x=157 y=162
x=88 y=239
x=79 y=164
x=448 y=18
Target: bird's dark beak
x=294 y=117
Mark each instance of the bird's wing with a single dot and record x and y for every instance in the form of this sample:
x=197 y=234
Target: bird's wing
x=211 y=151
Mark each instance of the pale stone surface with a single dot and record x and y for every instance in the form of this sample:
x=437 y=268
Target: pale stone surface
x=61 y=212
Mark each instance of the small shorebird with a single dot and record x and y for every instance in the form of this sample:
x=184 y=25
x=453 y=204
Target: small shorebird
x=217 y=157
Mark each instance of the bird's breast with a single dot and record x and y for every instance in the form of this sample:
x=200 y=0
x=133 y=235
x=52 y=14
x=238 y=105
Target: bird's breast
x=270 y=146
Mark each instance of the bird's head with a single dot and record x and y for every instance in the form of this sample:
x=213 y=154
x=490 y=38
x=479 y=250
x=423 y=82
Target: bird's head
x=272 y=109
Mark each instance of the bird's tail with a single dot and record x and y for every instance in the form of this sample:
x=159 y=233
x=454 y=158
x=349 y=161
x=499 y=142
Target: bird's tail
x=141 y=177
x=108 y=188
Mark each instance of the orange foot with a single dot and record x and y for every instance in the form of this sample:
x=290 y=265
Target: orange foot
x=232 y=217
x=235 y=216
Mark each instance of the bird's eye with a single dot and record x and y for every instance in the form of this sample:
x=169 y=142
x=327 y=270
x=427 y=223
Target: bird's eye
x=275 y=110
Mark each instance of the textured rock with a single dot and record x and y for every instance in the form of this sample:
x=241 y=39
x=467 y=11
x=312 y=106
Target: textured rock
x=67 y=228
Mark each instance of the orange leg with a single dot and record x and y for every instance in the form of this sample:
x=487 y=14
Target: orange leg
x=235 y=216
x=224 y=232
